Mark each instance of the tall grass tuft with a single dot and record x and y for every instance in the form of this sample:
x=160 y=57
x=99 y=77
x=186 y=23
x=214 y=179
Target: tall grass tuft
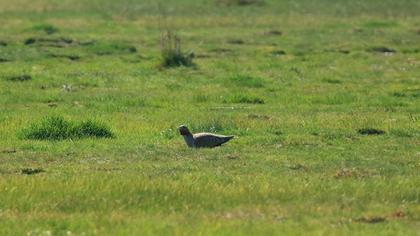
x=57 y=128
x=244 y=98
x=172 y=54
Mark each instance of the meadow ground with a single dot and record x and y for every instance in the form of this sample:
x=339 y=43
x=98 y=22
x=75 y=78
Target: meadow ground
x=322 y=95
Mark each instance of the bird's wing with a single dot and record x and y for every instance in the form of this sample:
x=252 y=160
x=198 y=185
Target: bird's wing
x=210 y=140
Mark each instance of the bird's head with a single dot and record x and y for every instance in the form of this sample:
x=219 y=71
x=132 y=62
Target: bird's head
x=183 y=130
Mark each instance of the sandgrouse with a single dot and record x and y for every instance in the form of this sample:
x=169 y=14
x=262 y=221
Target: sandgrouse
x=201 y=140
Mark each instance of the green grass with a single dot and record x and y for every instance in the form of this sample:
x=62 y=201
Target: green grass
x=48 y=29
x=325 y=117
x=57 y=128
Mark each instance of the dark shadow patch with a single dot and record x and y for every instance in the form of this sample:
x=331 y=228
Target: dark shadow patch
x=370 y=131
x=9 y=151
x=333 y=81
x=106 y=169
x=29 y=41
x=278 y=53
x=381 y=50
x=50 y=42
x=19 y=78
x=221 y=50
x=70 y=57
x=236 y=41
x=371 y=219
x=276 y=131
x=273 y=33
x=398 y=94
x=341 y=51
x=3 y=43
x=2 y=60
x=344 y=51
x=357 y=30
x=101 y=49
x=31 y=171
x=202 y=55
x=240 y=2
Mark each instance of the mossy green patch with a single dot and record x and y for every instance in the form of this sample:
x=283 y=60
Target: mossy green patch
x=57 y=128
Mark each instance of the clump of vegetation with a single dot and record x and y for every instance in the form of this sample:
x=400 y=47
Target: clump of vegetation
x=370 y=131
x=50 y=42
x=111 y=48
x=18 y=78
x=29 y=41
x=70 y=57
x=172 y=54
x=273 y=32
x=31 y=171
x=382 y=50
x=169 y=133
x=333 y=81
x=57 y=128
x=236 y=41
x=278 y=53
x=241 y=98
x=371 y=219
x=201 y=98
x=47 y=28
x=408 y=93
x=248 y=81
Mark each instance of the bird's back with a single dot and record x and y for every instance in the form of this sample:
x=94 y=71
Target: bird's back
x=210 y=140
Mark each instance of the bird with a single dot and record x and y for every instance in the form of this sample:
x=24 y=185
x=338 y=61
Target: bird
x=202 y=140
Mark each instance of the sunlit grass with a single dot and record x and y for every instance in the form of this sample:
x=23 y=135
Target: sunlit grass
x=322 y=97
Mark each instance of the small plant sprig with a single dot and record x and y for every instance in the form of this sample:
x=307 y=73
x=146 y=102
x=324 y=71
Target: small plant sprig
x=172 y=54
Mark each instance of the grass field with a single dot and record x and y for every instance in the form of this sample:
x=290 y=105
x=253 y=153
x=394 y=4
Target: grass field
x=323 y=98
